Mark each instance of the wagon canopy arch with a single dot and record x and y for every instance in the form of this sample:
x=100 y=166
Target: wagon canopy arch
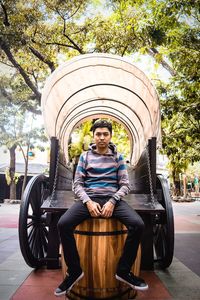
x=101 y=85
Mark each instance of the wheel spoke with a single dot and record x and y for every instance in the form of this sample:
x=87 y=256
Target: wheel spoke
x=44 y=237
x=42 y=243
x=31 y=217
x=160 y=241
x=30 y=224
x=35 y=244
x=31 y=236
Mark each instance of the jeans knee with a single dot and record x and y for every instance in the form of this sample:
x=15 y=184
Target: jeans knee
x=63 y=225
x=137 y=226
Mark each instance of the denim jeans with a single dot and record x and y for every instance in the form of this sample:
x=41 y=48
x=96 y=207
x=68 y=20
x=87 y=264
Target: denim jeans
x=79 y=212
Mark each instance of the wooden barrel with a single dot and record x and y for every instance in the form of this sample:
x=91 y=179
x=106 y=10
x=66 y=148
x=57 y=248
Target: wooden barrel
x=100 y=243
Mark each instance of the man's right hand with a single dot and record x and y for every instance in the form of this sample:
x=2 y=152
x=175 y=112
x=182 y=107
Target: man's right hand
x=94 y=208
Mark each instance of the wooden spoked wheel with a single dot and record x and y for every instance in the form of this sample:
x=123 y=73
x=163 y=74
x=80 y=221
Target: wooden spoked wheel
x=164 y=226
x=33 y=230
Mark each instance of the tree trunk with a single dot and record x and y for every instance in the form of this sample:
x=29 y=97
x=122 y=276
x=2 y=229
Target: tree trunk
x=12 y=172
x=184 y=186
x=176 y=183
x=26 y=170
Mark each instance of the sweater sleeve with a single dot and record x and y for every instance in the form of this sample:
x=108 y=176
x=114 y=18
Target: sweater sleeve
x=80 y=178
x=123 y=181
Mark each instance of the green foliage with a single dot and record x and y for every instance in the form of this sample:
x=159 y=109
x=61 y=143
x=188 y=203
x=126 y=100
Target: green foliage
x=120 y=139
x=37 y=35
x=16 y=130
x=9 y=179
x=16 y=126
x=83 y=138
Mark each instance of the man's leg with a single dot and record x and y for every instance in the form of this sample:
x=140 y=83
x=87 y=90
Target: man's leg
x=66 y=225
x=135 y=225
x=71 y=218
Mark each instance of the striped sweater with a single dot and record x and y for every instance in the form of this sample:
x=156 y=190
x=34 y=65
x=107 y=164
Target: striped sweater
x=100 y=175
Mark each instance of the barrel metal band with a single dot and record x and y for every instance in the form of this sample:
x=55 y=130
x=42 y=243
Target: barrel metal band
x=104 y=233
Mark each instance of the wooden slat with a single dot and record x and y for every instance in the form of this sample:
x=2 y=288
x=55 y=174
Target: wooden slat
x=65 y=199
x=53 y=157
x=138 y=176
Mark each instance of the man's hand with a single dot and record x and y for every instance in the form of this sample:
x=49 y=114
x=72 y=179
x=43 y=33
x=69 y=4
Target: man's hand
x=107 y=210
x=94 y=208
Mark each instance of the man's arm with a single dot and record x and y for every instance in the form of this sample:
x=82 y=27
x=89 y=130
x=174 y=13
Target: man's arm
x=123 y=181
x=124 y=188
x=80 y=175
x=79 y=179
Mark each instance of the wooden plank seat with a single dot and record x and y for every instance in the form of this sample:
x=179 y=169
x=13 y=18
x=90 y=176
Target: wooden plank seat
x=64 y=200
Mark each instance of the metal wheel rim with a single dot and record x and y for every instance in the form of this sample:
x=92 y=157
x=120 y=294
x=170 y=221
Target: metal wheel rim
x=164 y=231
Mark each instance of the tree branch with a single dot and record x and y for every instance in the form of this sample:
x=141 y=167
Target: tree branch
x=33 y=110
x=74 y=12
x=42 y=58
x=5 y=22
x=76 y=47
x=6 y=64
x=153 y=52
x=22 y=151
x=60 y=44
x=6 y=49
x=29 y=107
x=6 y=94
x=124 y=50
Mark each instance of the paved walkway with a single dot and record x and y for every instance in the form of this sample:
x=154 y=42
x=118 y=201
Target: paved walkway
x=180 y=281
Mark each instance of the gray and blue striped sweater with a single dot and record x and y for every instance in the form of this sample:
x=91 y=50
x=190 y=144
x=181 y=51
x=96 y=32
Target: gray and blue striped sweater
x=100 y=175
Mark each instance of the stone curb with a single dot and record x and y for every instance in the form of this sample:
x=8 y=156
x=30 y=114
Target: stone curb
x=11 y=201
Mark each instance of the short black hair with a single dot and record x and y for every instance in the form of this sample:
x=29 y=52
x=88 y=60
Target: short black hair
x=101 y=124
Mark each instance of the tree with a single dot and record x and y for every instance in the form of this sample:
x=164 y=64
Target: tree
x=13 y=133
x=36 y=35
x=35 y=137
x=169 y=32
x=33 y=34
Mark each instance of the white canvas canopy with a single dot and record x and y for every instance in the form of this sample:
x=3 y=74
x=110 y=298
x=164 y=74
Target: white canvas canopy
x=101 y=85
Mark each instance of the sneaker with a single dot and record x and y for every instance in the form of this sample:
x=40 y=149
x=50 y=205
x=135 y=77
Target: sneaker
x=133 y=281
x=67 y=284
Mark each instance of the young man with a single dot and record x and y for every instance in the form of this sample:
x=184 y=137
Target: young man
x=101 y=181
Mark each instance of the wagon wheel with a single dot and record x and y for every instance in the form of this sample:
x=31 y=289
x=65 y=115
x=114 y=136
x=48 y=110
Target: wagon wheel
x=164 y=226
x=33 y=233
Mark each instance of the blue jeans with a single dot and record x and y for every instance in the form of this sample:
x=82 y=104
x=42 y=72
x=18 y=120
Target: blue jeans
x=78 y=212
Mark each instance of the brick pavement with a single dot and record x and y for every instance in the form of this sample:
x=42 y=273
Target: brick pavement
x=179 y=281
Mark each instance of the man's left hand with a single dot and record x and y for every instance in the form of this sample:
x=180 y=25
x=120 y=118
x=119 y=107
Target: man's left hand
x=107 y=210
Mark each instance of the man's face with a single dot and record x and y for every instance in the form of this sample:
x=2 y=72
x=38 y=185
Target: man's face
x=102 y=137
